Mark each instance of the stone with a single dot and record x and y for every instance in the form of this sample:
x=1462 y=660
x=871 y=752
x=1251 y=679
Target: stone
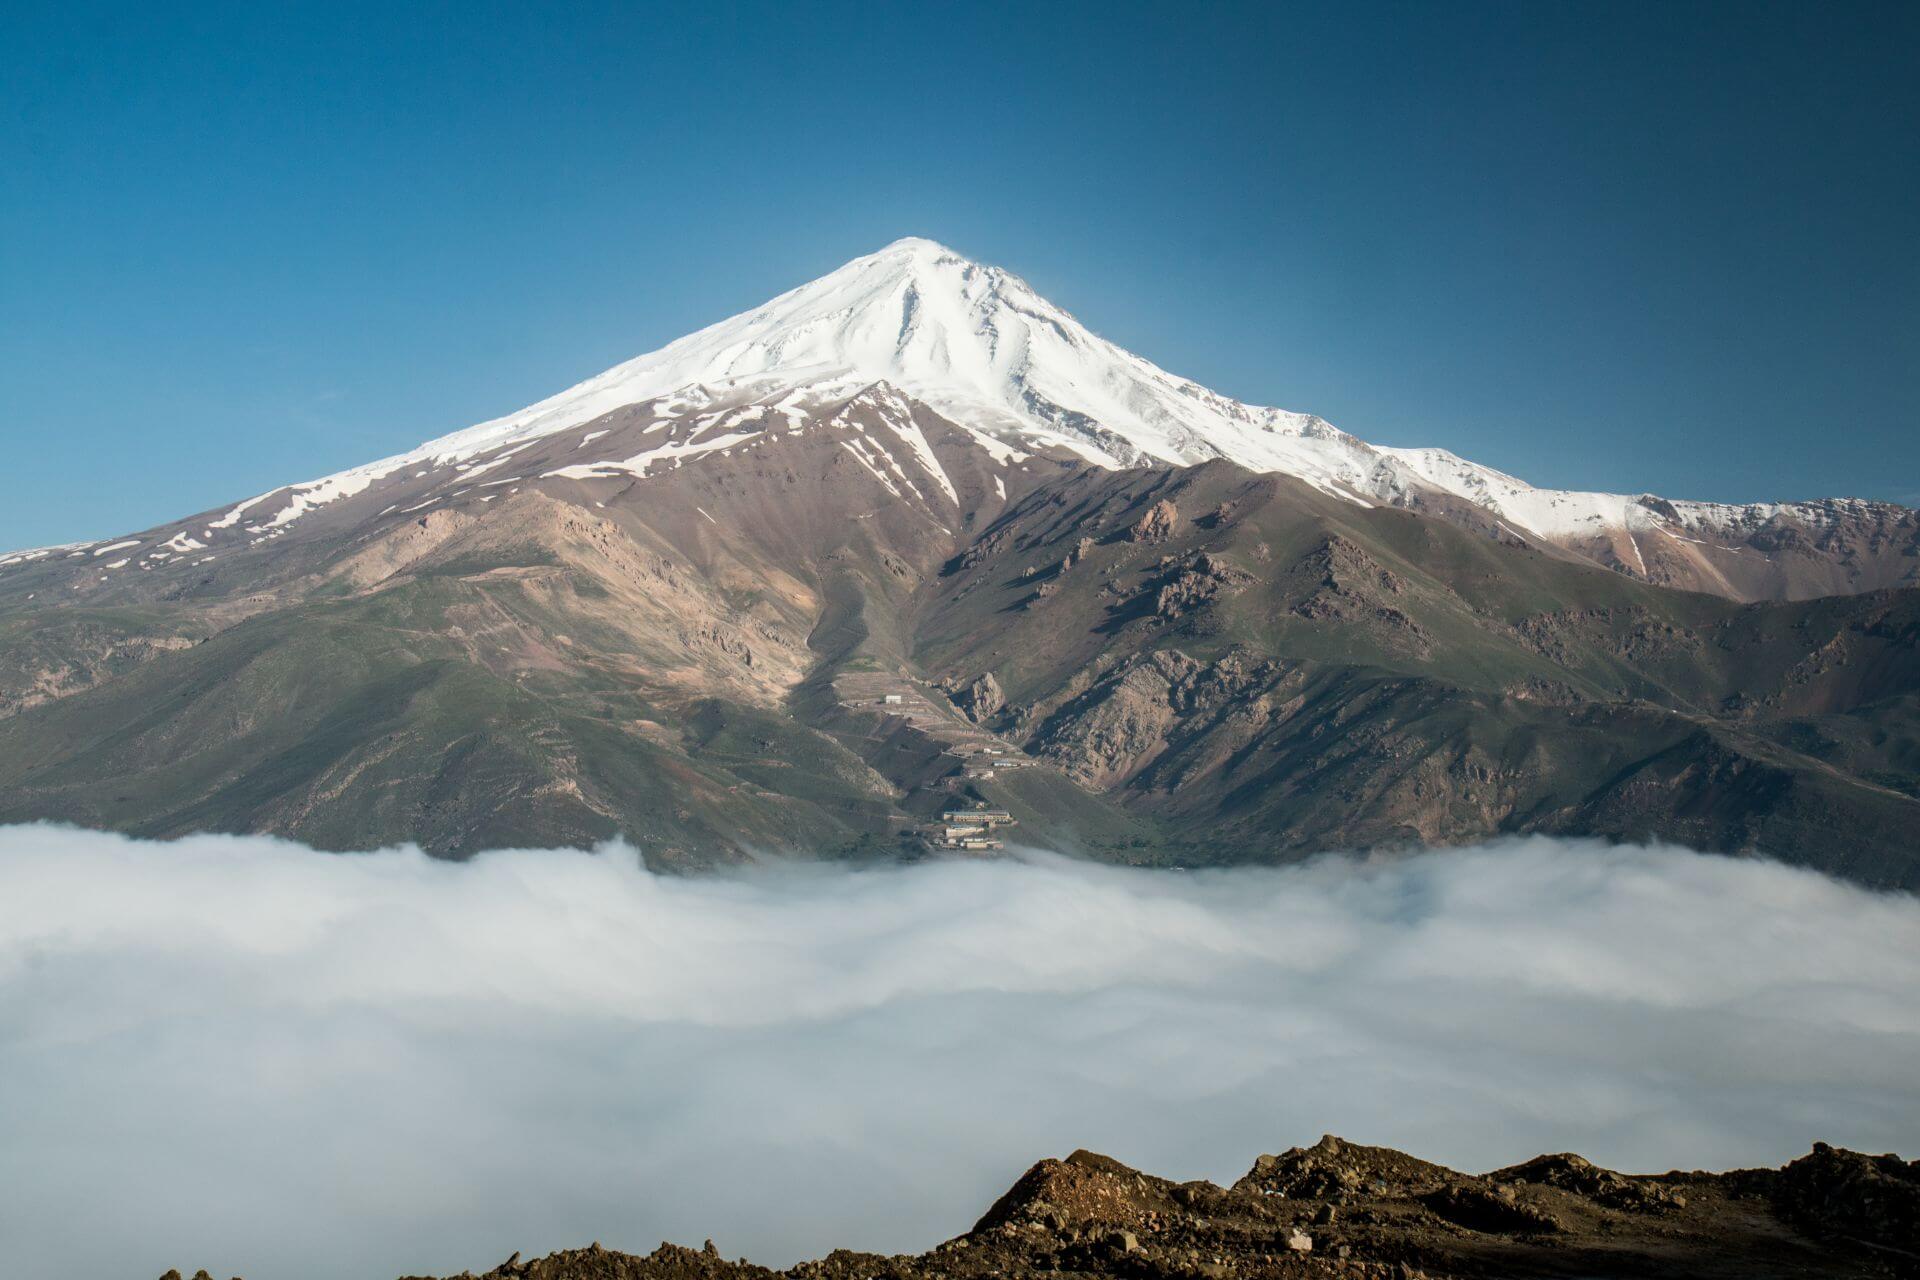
x=1157 y=524
x=983 y=698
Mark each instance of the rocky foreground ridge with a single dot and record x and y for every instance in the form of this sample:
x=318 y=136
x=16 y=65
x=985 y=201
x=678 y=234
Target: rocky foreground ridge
x=1341 y=1209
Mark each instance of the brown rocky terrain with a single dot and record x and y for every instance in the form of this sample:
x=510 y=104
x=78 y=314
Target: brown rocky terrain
x=1338 y=1209
x=1190 y=665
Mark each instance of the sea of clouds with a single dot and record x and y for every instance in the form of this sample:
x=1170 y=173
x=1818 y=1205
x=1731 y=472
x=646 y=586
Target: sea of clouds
x=239 y=1054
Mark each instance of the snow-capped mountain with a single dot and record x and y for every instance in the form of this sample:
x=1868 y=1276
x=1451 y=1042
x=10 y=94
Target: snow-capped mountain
x=973 y=342
x=977 y=346
x=910 y=534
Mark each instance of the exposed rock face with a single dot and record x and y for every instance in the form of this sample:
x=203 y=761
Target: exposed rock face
x=1632 y=633
x=1340 y=1210
x=1839 y=1193
x=55 y=661
x=1345 y=586
x=1157 y=524
x=1345 y=567
x=982 y=700
x=1196 y=583
x=1335 y=1170
x=1120 y=725
x=1603 y=1186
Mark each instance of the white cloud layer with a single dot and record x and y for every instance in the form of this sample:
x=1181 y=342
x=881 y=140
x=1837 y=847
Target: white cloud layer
x=239 y=1054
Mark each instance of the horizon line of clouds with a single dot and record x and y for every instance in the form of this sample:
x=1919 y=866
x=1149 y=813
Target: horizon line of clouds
x=239 y=1054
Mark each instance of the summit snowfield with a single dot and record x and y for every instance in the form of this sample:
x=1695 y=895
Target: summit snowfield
x=977 y=344
x=973 y=342
x=979 y=348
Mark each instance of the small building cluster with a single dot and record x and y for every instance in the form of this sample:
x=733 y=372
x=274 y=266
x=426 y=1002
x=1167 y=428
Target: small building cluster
x=977 y=769
x=970 y=829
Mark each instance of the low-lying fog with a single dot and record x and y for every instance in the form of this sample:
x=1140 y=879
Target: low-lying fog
x=242 y=1055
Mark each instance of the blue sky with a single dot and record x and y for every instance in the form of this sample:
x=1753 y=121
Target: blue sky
x=1634 y=247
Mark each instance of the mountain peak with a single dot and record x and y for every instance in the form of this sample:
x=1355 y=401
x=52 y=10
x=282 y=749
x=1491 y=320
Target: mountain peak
x=918 y=245
x=978 y=346
x=974 y=342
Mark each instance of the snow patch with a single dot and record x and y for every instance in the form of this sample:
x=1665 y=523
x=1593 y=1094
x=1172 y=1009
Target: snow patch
x=233 y=517
x=640 y=463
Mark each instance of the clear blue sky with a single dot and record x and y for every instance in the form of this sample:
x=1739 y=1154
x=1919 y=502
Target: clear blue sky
x=1633 y=247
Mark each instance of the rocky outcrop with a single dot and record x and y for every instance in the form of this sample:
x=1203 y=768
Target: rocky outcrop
x=1125 y=721
x=1332 y=1169
x=1157 y=524
x=66 y=657
x=1076 y=555
x=1341 y=1210
x=1339 y=584
x=1342 y=565
x=1602 y=1186
x=1846 y=1195
x=1634 y=634
x=981 y=700
x=1203 y=579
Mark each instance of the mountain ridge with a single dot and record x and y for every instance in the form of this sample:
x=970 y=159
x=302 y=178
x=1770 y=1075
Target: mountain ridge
x=1342 y=1209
